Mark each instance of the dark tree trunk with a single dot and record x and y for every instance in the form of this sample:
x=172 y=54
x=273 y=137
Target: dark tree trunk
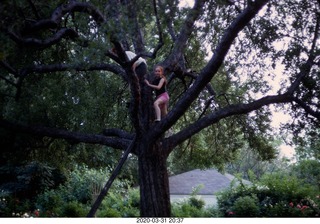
x=154 y=183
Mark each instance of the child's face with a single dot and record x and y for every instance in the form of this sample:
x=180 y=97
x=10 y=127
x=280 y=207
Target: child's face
x=157 y=71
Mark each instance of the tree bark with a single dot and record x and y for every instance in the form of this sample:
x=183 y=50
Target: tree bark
x=154 y=182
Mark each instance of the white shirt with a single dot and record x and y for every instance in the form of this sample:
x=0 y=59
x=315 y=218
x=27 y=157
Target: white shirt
x=131 y=55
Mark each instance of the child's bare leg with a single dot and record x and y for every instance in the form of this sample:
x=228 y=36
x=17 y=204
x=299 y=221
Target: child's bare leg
x=157 y=109
x=164 y=110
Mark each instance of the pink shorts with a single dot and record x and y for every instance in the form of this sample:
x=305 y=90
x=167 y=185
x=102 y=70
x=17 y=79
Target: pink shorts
x=164 y=98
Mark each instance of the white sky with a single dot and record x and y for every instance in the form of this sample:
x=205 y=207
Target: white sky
x=186 y=3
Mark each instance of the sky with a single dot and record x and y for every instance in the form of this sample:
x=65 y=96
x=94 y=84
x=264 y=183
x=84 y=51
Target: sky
x=186 y=3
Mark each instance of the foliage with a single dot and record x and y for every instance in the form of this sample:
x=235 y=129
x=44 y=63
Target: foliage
x=308 y=144
x=193 y=207
x=73 y=198
x=308 y=171
x=116 y=204
x=74 y=209
x=249 y=164
x=121 y=205
x=20 y=185
x=60 y=86
x=27 y=179
x=246 y=206
x=208 y=149
x=80 y=190
x=275 y=195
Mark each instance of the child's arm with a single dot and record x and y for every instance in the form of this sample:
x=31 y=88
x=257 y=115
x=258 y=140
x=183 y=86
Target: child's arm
x=156 y=86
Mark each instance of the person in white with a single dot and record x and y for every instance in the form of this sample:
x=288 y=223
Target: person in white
x=139 y=66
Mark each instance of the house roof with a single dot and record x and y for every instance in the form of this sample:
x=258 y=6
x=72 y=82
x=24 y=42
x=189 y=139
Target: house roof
x=211 y=180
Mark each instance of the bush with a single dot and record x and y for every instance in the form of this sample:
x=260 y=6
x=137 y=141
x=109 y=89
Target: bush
x=81 y=188
x=193 y=207
x=74 y=209
x=247 y=206
x=196 y=202
x=120 y=205
x=275 y=195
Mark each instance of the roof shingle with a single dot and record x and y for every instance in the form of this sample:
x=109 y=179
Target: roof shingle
x=211 y=180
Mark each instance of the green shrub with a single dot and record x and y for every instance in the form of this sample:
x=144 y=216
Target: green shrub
x=74 y=209
x=82 y=186
x=108 y=212
x=13 y=207
x=193 y=207
x=247 y=206
x=120 y=204
x=275 y=195
x=196 y=202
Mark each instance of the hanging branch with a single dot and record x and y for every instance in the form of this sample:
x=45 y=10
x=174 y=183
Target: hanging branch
x=113 y=176
x=73 y=137
x=41 y=69
x=53 y=22
x=34 y=42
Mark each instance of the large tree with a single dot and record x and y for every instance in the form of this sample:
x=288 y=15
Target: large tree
x=45 y=43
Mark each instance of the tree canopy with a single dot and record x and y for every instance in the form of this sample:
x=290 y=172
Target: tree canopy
x=65 y=97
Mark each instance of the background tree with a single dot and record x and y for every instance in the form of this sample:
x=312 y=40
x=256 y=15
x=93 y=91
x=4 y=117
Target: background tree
x=60 y=81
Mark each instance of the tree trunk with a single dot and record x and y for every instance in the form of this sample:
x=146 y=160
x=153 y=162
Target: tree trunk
x=154 y=183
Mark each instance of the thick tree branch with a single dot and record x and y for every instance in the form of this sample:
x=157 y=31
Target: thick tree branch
x=34 y=42
x=115 y=132
x=41 y=69
x=54 y=21
x=74 y=137
x=74 y=6
x=235 y=109
x=208 y=86
x=134 y=85
x=135 y=103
